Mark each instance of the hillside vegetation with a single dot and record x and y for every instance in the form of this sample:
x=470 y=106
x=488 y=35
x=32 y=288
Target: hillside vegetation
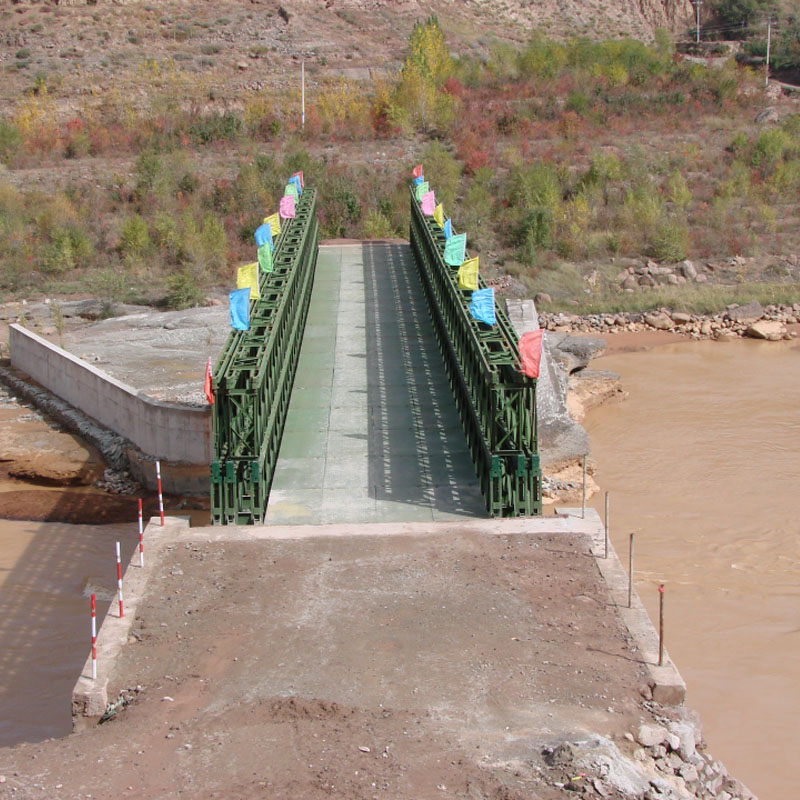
x=559 y=157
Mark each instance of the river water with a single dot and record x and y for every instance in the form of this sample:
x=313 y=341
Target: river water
x=701 y=462
x=47 y=573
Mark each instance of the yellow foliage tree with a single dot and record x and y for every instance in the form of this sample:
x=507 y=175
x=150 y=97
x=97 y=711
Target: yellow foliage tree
x=418 y=100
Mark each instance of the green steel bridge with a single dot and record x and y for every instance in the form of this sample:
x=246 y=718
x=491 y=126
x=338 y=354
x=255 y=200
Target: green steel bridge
x=364 y=391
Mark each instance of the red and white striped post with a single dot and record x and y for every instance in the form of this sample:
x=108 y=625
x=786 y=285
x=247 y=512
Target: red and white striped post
x=119 y=582
x=160 y=493
x=141 y=536
x=94 y=641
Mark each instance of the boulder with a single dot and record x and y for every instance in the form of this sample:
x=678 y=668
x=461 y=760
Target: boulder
x=658 y=320
x=751 y=312
x=687 y=269
x=681 y=317
x=646 y=280
x=767 y=115
x=630 y=282
x=542 y=298
x=770 y=330
x=650 y=735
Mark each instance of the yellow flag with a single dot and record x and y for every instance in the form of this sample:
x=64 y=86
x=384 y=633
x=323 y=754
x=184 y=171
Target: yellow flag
x=274 y=222
x=247 y=277
x=438 y=215
x=468 y=274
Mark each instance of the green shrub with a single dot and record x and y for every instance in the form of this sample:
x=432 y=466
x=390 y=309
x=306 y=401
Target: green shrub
x=10 y=141
x=443 y=172
x=183 y=290
x=670 y=242
x=377 y=225
x=57 y=256
x=216 y=127
x=134 y=239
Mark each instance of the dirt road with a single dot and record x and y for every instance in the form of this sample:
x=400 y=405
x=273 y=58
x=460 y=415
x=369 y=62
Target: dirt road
x=404 y=666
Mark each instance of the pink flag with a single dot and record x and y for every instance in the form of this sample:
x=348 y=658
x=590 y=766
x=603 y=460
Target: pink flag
x=530 y=353
x=209 y=392
x=286 y=209
x=428 y=204
x=417 y=171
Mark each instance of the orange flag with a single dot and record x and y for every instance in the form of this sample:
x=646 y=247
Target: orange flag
x=530 y=353
x=207 y=384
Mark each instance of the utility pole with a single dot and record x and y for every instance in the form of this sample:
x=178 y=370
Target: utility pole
x=769 y=41
x=697 y=4
x=303 y=94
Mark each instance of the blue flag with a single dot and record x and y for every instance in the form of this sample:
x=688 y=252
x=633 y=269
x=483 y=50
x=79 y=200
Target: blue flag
x=419 y=180
x=295 y=179
x=482 y=306
x=240 y=309
x=448 y=229
x=263 y=235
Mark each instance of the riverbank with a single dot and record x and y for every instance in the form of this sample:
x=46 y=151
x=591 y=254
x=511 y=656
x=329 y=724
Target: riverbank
x=752 y=320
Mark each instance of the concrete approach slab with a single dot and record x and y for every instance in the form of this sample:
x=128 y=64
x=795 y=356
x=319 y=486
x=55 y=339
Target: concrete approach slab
x=372 y=433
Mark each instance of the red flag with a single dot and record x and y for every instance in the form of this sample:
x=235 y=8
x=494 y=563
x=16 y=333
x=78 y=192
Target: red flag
x=530 y=352
x=417 y=171
x=207 y=384
x=300 y=175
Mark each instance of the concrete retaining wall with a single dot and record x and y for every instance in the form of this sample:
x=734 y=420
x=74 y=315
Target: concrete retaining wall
x=166 y=431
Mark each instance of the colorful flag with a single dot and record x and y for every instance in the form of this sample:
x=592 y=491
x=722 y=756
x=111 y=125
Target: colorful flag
x=438 y=215
x=240 y=309
x=418 y=181
x=427 y=204
x=422 y=189
x=274 y=223
x=482 y=306
x=300 y=176
x=247 y=278
x=290 y=190
x=263 y=235
x=209 y=392
x=286 y=209
x=265 y=257
x=295 y=181
x=417 y=171
x=468 y=273
x=454 y=249
x=530 y=353
x=448 y=229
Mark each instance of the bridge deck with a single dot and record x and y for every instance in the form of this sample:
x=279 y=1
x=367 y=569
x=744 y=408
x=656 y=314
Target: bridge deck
x=372 y=432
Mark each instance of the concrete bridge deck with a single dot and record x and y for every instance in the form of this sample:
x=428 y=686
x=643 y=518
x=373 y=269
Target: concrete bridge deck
x=372 y=433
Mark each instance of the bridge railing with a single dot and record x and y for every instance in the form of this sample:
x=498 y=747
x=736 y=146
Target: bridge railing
x=495 y=401
x=253 y=377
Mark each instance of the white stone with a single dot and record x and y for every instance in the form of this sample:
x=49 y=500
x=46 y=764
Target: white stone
x=650 y=735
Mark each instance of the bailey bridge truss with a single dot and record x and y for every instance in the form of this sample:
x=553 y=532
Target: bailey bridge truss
x=254 y=375
x=495 y=401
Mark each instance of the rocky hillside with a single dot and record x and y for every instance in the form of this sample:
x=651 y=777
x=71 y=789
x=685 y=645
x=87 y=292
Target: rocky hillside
x=76 y=49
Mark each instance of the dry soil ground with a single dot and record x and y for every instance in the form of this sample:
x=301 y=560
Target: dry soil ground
x=409 y=666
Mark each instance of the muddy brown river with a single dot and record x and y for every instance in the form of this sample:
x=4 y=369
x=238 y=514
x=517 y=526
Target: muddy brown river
x=47 y=574
x=702 y=465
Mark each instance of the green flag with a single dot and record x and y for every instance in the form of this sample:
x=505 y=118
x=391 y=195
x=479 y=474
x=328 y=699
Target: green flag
x=290 y=189
x=454 y=249
x=422 y=189
x=265 y=257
